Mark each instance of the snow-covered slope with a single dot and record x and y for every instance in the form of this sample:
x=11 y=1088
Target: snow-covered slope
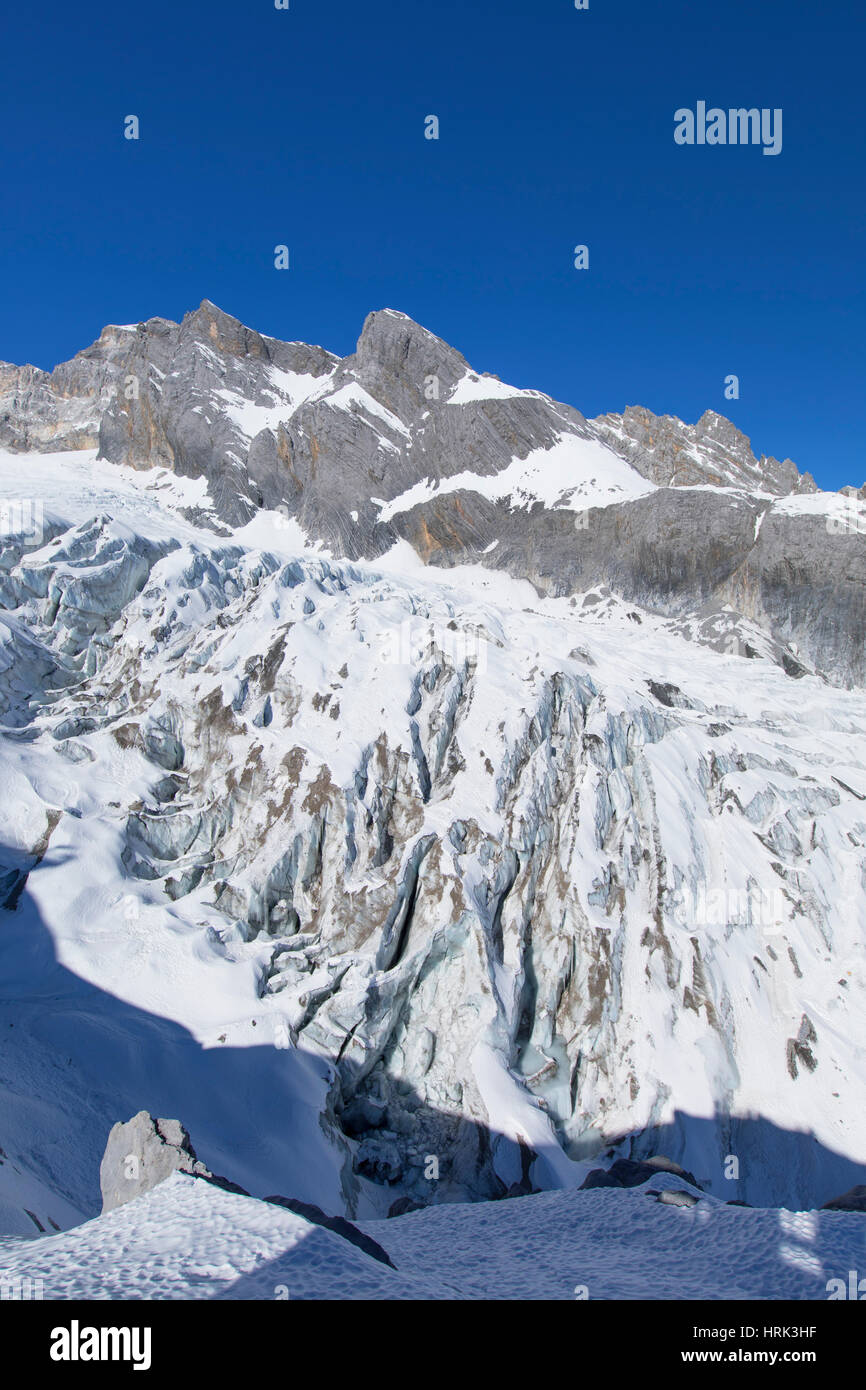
x=188 y=1240
x=357 y=864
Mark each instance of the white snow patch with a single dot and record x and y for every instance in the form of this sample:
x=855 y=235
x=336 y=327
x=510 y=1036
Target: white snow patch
x=575 y=474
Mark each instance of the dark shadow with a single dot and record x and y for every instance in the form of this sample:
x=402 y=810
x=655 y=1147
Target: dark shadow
x=711 y=1251
x=774 y=1167
x=75 y=1059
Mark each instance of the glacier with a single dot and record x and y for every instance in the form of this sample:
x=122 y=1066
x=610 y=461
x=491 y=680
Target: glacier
x=420 y=871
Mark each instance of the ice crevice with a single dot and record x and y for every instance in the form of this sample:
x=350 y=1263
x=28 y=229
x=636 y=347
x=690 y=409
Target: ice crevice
x=612 y=902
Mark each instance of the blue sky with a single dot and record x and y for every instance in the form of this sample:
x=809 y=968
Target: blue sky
x=305 y=127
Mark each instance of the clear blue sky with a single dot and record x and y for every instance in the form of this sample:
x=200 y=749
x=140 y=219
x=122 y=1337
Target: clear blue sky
x=306 y=127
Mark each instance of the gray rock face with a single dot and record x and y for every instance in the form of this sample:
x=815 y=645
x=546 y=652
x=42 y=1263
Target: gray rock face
x=355 y=449
x=61 y=410
x=144 y=1152
x=184 y=388
x=713 y=451
x=396 y=359
x=806 y=584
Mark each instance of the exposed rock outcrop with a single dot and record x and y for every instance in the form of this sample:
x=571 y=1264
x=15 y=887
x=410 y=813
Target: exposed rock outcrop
x=143 y=1152
x=853 y=1200
x=402 y=440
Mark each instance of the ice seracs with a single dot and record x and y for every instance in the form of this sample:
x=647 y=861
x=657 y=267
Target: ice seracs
x=434 y=825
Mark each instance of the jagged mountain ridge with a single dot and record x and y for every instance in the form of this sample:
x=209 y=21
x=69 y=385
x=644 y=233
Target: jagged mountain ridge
x=402 y=440
x=712 y=451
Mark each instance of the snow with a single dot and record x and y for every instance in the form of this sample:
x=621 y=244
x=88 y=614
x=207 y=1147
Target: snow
x=187 y=1239
x=513 y=1114
x=289 y=391
x=574 y=474
x=354 y=397
x=75 y=484
x=115 y=996
x=623 y=1244
x=845 y=515
x=472 y=387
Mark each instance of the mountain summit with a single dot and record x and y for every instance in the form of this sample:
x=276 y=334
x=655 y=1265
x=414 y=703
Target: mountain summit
x=403 y=441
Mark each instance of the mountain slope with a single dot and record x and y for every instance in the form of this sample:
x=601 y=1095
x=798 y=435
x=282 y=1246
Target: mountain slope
x=402 y=440
x=188 y=1240
x=415 y=863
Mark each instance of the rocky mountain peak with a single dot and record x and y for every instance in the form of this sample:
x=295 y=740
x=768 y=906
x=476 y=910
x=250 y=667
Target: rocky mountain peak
x=402 y=440
x=713 y=451
x=402 y=364
x=223 y=333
